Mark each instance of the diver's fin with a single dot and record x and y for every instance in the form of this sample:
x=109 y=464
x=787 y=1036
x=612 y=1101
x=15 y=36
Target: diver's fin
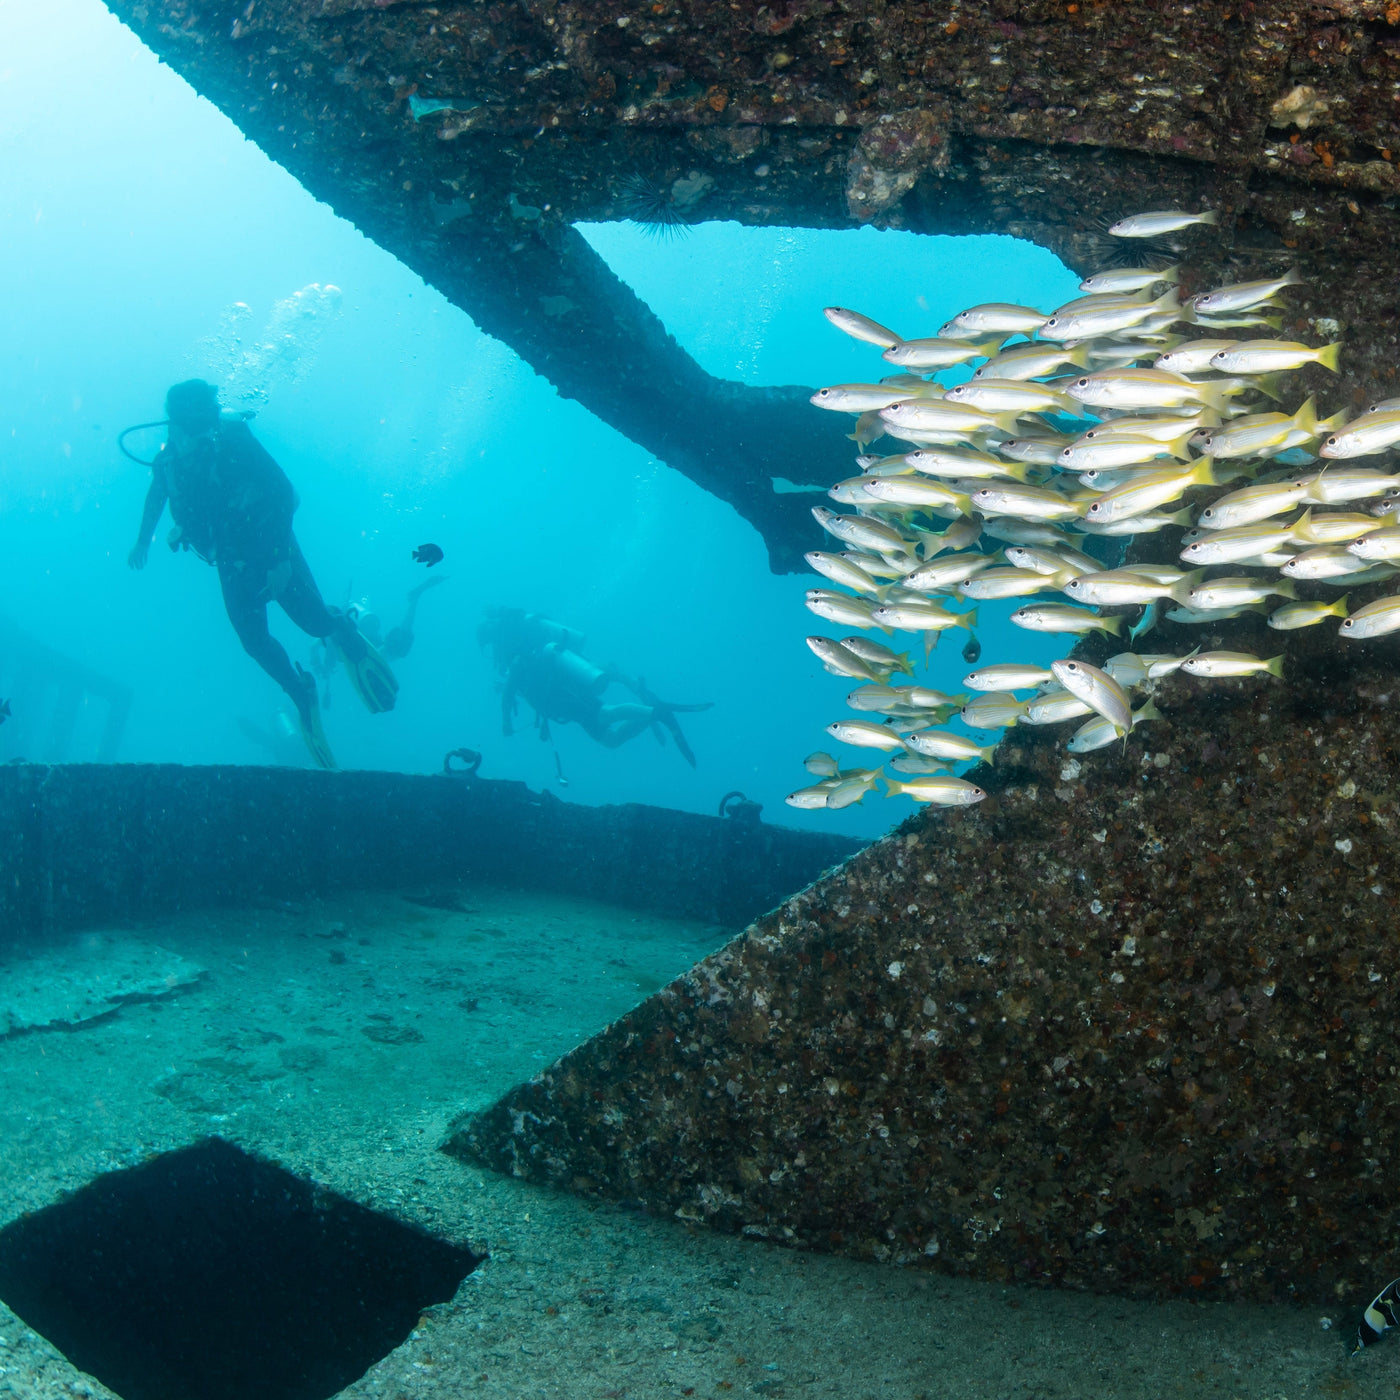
x=309 y=718
x=666 y=714
x=643 y=693
x=369 y=673
x=685 y=749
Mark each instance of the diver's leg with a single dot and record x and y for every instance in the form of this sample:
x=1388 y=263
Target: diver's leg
x=248 y=613
x=247 y=610
x=367 y=670
x=398 y=641
x=414 y=594
x=614 y=725
x=302 y=602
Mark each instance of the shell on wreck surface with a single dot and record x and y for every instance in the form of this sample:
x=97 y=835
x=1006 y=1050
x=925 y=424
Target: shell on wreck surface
x=1128 y=1026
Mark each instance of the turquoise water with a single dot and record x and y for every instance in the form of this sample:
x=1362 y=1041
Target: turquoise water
x=146 y=242
x=136 y=217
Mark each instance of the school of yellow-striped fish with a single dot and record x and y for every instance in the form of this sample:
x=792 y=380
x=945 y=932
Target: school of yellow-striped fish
x=1121 y=413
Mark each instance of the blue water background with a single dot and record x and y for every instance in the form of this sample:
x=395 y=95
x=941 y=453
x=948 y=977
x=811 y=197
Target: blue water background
x=134 y=215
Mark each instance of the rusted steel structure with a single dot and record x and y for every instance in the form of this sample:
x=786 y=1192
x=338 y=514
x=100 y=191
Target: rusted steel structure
x=468 y=139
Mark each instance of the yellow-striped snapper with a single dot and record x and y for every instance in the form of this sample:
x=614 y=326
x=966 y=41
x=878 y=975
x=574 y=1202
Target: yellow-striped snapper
x=994 y=709
x=1099 y=733
x=1374 y=620
x=861 y=327
x=943 y=791
x=1294 y=615
x=1057 y=617
x=1243 y=296
x=1008 y=675
x=865 y=734
x=1231 y=663
x=942 y=743
x=936 y=352
x=1097 y=689
x=1160 y=222
x=994 y=316
x=1271 y=356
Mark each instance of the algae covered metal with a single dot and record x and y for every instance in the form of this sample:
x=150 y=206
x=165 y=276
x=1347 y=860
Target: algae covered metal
x=468 y=140
x=1125 y=1026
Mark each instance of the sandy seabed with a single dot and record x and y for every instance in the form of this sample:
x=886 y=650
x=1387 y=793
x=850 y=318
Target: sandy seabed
x=340 y=1038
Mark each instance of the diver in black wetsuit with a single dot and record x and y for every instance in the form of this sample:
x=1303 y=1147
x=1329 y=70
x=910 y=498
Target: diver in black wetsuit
x=233 y=505
x=541 y=664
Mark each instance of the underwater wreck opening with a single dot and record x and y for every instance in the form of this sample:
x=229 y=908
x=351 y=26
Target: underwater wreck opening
x=210 y=1274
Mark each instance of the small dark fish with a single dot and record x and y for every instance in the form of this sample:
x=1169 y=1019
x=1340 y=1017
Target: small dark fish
x=973 y=650
x=1381 y=1316
x=4 y=711
x=428 y=554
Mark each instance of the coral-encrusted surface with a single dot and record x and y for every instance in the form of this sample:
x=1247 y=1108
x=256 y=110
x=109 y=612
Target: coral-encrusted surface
x=1129 y=1025
x=467 y=139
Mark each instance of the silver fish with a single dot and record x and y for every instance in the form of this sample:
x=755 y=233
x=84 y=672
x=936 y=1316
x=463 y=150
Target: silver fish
x=1325 y=561
x=1100 y=733
x=994 y=316
x=1294 y=615
x=861 y=531
x=859 y=398
x=1193 y=357
x=961 y=464
x=865 y=734
x=861 y=327
x=1055 y=708
x=1238 y=542
x=1273 y=356
x=1243 y=296
x=914 y=763
x=1160 y=222
x=1253 y=503
x=1031 y=360
x=841 y=570
x=810 y=799
x=1097 y=689
x=941 y=743
x=842 y=608
x=1009 y=583
x=993 y=709
x=1377 y=544
x=946 y=571
x=1231 y=663
x=841 y=661
x=1057 y=617
x=939 y=353
x=1372 y=432
x=1007 y=676
x=1128 y=279
x=943 y=791
x=1223 y=593
x=1374 y=620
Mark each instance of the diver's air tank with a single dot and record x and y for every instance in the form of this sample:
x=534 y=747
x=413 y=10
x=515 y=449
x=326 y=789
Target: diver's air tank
x=577 y=670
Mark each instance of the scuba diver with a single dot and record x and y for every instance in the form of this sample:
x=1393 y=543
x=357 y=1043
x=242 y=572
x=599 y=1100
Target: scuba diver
x=397 y=642
x=541 y=664
x=392 y=645
x=233 y=505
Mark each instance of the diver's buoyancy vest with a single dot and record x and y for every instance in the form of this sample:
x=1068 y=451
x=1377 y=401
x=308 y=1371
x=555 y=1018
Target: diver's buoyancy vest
x=227 y=493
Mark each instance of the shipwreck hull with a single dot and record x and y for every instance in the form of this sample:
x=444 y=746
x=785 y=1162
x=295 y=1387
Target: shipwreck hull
x=1127 y=1026
x=468 y=139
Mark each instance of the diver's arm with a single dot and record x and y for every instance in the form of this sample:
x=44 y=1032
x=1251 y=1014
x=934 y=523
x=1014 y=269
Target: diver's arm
x=150 y=518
